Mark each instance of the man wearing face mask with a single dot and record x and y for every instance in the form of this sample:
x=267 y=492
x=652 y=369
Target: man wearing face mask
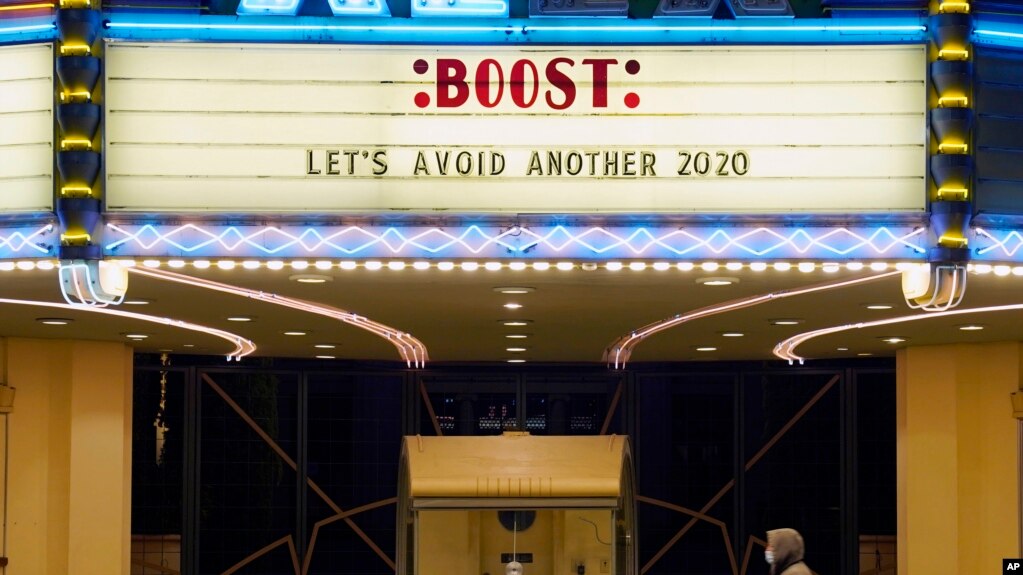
x=785 y=552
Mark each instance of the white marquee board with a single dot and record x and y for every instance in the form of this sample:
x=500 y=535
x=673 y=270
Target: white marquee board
x=26 y=128
x=280 y=128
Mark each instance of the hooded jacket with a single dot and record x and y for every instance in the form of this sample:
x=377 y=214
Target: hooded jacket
x=788 y=552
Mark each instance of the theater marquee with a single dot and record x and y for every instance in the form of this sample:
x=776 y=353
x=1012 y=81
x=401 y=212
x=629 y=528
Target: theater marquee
x=249 y=128
x=26 y=128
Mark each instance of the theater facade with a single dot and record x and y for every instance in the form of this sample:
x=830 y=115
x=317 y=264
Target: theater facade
x=266 y=264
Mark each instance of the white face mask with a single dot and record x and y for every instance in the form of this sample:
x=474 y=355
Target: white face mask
x=769 y=556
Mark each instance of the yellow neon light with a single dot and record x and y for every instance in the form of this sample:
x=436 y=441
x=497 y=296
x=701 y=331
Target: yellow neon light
x=75 y=50
x=36 y=6
x=75 y=237
x=75 y=3
x=76 y=143
x=953 y=54
x=953 y=193
x=954 y=7
x=83 y=96
x=952 y=148
x=78 y=191
x=953 y=102
x=952 y=241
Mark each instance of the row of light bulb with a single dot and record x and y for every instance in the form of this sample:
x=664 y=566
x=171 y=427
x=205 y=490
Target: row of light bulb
x=372 y=265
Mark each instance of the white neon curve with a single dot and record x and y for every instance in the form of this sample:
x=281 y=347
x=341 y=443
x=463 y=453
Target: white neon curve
x=411 y=349
x=786 y=349
x=621 y=349
x=242 y=346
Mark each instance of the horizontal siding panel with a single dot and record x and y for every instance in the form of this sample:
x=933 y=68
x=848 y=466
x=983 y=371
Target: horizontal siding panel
x=723 y=195
x=382 y=63
x=25 y=128
x=660 y=98
x=771 y=162
x=26 y=194
x=31 y=61
x=329 y=130
x=1000 y=165
x=992 y=99
x=26 y=161
x=999 y=132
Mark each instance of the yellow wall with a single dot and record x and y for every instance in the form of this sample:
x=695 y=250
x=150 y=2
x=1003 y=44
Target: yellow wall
x=957 y=457
x=69 y=491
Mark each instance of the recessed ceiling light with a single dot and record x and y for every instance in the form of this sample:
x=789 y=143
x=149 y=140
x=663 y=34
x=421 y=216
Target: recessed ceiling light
x=758 y=266
x=541 y=266
x=864 y=354
x=188 y=345
x=709 y=266
x=514 y=290
x=325 y=357
x=445 y=266
x=517 y=266
x=878 y=306
x=515 y=322
x=786 y=321
x=493 y=266
x=373 y=265
x=515 y=349
x=296 y=332
x=323 y=264
x=971 y=327
x=517 y=336
x=806 y=267
x=565 y=266
x=239 y=318
x=613 y=266
x=222 y=264
x=136 y=336
x=841 y=349
x=516 y=361
x=733 y=266
x=54 y=320
x=420 y=265
x=275 y=265
x=310 y=278
x=893 y=339
x=165 y=350
x=706 y=348
x=782 y=266
x=637 y=266
x=513 y=305
x=324 y=346
x=396 y=266
x=732 y=334
x=717 y=281
x=587 y=267
x=137 y=301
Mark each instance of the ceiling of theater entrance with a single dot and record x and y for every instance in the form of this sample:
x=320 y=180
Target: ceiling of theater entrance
x=572 y=315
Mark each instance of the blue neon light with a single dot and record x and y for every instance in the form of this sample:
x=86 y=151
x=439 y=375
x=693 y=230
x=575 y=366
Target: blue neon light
x=998 y=32
x=511 y=31
x=516 y=242
x=492 y=8
x=275 y=7
x=28 y=32
x=359 y=7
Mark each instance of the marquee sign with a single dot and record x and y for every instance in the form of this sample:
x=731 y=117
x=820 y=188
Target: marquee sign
x=253 y=128
x=26 y=128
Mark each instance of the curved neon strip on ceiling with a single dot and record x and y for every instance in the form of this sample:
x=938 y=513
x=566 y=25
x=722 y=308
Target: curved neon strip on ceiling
x=620 y=350
x=411 y=349
x=785 y=349
x=242 y=346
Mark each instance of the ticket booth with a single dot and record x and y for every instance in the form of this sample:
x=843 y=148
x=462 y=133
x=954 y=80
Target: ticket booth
x=555 y=505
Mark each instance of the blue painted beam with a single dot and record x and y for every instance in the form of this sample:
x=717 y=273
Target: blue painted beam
x=146 y=27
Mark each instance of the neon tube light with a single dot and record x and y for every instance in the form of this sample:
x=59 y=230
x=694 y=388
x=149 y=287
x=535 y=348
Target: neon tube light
x=519 y=30
x=696 y=242
x=37 y=6
x=411 y=349
x=24 y=29
x=620 y=350
x=786 y=349
x=242 y=346
x=19 y=240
